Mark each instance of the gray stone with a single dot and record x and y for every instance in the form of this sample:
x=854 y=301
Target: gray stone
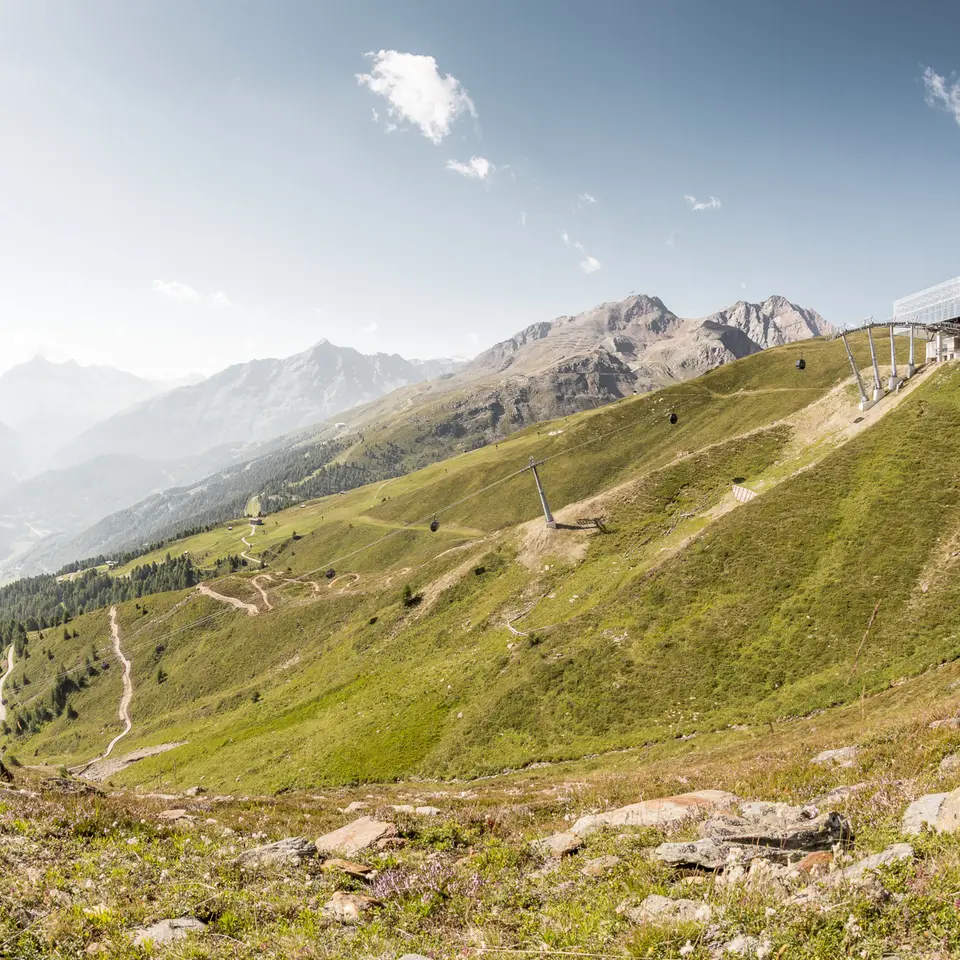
x=838 y=794
x=780 y=826
x=841 y=757
x=662 y=812
x=288 y=852
x=859 y=870
x=951 y=723
x=194 y=791
x=599 y=866
x=950 y=764
x=418 y=811
x=709 y=854
x=349 y=907
x=558 y=845
x=922 y=813
x=168 y=931
x=355 y=836
x=663 y=910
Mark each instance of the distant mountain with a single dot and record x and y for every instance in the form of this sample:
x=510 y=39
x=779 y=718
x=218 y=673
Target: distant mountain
x=656 y=345
x=50 y=403
x=253 y=401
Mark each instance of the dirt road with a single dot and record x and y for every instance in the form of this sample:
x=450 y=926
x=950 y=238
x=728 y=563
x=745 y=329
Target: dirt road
x=3 y=680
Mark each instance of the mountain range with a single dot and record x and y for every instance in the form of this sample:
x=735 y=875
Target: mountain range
x=376 y=416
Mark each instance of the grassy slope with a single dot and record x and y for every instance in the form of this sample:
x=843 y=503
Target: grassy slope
x=341 y=698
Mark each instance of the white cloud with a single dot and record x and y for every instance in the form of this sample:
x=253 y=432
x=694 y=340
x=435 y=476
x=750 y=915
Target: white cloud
x=376 y=116
x=523 y=218
x=416 y=92
x=743 y=286
x=584 y=200
x=590 y=264
x=176 y=290
x=712 y=204
x=939 y=94
x=565 y=237
x=671 y=240
x=370 y=329
x=478 y=168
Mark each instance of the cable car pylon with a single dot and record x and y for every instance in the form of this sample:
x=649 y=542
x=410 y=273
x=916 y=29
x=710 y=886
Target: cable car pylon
x=547 y=515
x=865 y=402
x=877 y=385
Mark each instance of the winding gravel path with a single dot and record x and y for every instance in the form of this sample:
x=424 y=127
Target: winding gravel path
x=124 y=712
x=3 y=680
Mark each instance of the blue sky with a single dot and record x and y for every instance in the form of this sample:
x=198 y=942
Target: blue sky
x=185 y=185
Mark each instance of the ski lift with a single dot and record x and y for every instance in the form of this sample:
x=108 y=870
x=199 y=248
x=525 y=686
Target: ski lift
x=434 y=525
x=330 y=574
x=801 y=364
x=673 y=418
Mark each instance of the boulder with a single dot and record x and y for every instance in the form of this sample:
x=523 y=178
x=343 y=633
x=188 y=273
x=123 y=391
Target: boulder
x=194 y=791
x=708 y=854
x=357 y=806
x=663 y=910
x=841 y=757
x=558 y=845
x=168 y=931
x=288 y=852
x=356 y=836
x=418 y=811
x=599 y=866
x=780 y=826
x=862 y=868
x=349 y=907
x=359 y=871
x=950 y=723
x=922 y=813
x=661 y=812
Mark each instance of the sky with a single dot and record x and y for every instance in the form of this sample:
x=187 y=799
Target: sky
x=188 y=185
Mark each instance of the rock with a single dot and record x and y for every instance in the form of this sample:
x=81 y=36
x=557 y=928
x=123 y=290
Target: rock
x=842 y=757
x=348 y=907
x=599 y=866
x=356 y=807
x=414 y=956
x=708 y=854
x=858 y=871
x=359 y=871
x=921 y=813
x=288 y=852
x=390 y=843
x=419 y=811
x=663 y=910
x=171 y=815
x=168 y=931
x=838 y=794
x=194 y=791
x=662 y=812
x=558 y=845
x=951 y=723
x=780 y=826
x=950 y=764
x=356 y=836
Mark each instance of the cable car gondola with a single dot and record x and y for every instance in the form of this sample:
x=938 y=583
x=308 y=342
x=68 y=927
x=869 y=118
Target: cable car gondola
x=673 y=418
x=801 y=364
x=330 y=574
x=434 y=525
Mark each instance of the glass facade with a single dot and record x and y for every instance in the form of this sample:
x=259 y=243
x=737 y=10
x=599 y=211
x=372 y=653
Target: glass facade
x=934 y=305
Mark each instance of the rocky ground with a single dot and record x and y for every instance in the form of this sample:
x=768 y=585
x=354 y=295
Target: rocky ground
x=852 y=852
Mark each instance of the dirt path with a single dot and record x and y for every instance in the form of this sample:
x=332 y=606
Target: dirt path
x=261 y=591
x=124 y=712
x=249 y=546
x=3 y=680
x=252 y=611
